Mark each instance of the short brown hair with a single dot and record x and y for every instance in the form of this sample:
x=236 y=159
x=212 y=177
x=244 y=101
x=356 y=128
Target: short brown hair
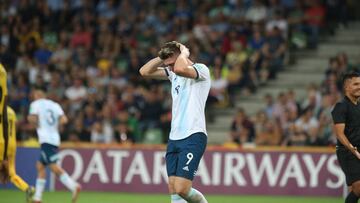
x=169 y=49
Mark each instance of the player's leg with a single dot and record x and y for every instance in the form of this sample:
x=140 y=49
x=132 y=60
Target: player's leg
x=19 y=182
x=40 y=181
x=191 y=151
x=175 y=198
x=14 y=178
x=171 y=165
x=351 y=168
x=354 y=194
x=65 y=179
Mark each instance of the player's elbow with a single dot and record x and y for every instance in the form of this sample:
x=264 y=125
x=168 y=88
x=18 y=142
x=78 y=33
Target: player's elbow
x=143 y=71
x=64 y=120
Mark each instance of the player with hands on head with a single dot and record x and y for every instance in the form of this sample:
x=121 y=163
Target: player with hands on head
x=190 y=85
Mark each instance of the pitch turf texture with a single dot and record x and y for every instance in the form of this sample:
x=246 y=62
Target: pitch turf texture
x=14 y=196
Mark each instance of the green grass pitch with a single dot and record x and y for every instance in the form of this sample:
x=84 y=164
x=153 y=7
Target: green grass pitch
x=15 y=196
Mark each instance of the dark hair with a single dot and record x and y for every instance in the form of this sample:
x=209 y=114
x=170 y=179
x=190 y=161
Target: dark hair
x=348 y=76
x=169 y=49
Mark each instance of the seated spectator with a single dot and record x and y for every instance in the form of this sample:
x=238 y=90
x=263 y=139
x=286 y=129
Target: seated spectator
x=81 y=132
x=123 y=133
x=326 y=133
x=151 y=111
x=306 y=129
x=98 y=135
x=76 y=94
x=295 y=20
x=242 y=129
x=237 y=55
x=284 y=111
x=267 y=132
x=81 y=37
x=218 y=90
x=256 y=13
x=278 y=21
x=234 y=79
x=274 y=51
x=315 y=19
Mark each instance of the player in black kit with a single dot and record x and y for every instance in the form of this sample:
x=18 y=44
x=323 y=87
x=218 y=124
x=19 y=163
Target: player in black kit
x=346 y=116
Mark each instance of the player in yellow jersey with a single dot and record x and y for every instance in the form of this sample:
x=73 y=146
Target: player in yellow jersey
x=8 y=144
x=3 y=125
x=11 y=154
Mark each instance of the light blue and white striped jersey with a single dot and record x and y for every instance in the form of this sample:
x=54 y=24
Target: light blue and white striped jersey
x=188 y=102
x=49 y=113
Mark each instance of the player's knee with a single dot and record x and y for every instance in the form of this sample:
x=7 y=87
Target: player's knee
x=356 y=188
x=181 y=190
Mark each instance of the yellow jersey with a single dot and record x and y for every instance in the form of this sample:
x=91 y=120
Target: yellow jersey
x=3 y=114
x=12 y=131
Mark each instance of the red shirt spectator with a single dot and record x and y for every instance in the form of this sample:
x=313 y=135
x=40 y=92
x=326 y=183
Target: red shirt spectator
x=81 y=37
x=315 y=14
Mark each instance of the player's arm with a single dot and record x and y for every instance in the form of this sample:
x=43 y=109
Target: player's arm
x=63 y=120
x=339 y=131
x=152 y=69
x=182 y=67
x=33 y=121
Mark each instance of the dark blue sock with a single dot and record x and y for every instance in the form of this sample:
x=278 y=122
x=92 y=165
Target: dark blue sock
x=351 y=198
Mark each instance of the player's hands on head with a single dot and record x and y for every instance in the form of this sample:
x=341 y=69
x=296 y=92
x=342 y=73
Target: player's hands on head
x=4 y=172
x=184 y=50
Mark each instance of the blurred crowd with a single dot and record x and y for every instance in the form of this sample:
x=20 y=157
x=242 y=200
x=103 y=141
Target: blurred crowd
x=287 y=122
x=86 y=55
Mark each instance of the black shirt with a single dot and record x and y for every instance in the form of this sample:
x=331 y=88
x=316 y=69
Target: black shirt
x=348 y=113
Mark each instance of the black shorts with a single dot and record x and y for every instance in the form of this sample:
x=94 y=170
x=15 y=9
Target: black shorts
x=350 y=164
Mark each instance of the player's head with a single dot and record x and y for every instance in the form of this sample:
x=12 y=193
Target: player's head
x=169 y=53
x=351 y=84
x=38 y=94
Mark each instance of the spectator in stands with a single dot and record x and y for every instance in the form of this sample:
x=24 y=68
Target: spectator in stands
x=284 y=111
x=274 y=51
x=98 y=135
x=269 y=106
x=79 y=130
x=326 y=133
x=76 y=94
x=315 y=19
x=306 y=129
x=267 y=132
x=218 y=90
x=103 y=43
x=151 y=111
x=256 y=13
x=242 y=129
x=313 y=99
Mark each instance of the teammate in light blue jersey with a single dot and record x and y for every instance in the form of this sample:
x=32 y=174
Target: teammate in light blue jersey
x=47 y=116
x=190 y=85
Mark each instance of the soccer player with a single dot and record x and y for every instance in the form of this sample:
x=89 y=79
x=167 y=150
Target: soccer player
x=346 y=116
x=11 y=154
x=47 y=115
x=190 y=85
x=3 y=125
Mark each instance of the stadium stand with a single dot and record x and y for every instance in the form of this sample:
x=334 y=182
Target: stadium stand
x=86 y=54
